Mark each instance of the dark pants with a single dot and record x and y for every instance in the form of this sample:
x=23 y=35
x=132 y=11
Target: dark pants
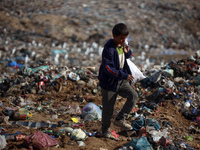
x=125 y=90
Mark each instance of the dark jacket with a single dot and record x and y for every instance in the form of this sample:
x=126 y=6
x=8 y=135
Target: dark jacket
x=109 y=72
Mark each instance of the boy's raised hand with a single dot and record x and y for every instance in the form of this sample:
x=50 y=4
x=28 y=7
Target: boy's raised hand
x=126 y=48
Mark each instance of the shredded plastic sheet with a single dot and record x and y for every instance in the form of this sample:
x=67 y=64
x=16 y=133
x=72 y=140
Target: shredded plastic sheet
x=39 y=140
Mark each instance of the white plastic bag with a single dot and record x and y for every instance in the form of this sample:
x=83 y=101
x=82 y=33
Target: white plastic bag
x=78 y=134
x=156 y=135
x=3 y=142
x=136 y=73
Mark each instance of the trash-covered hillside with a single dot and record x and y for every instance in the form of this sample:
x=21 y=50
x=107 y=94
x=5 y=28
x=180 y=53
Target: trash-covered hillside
x=50 y=52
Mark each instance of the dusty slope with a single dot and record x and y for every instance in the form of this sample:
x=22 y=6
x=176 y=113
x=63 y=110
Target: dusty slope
x=169 y=23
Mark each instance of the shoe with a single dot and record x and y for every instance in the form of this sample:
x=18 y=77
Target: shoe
x=110 y=135
x=122 y=123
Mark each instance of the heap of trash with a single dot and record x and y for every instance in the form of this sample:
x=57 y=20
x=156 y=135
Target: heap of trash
x=61 y=102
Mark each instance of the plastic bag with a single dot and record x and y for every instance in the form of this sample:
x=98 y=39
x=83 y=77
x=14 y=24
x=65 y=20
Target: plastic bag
x=91 y=110
x=153 y=122
x=155 y=76
x=81 y=143
x=140 y=144
x=168 y=72
x=3 y=142
x=39 y=140
x=78 y=134
x=136 y=73
x=156 y=135
x=75 y=109
x=138 y=124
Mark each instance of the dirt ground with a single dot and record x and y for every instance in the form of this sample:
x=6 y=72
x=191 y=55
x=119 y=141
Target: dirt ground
x=71 y=95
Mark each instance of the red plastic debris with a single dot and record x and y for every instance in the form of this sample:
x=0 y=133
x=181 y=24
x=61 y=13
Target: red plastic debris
x=115 y=134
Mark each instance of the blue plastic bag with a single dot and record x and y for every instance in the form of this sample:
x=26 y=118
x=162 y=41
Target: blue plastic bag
x=91 y=110
x=139 y=144
x=154 y=123
x=138 y=124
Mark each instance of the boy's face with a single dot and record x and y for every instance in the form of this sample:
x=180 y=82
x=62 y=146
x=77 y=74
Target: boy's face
x=119 y=40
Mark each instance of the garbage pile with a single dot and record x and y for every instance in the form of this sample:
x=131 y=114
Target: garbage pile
x=62 y=31
x=65 y=104
x=178 y=83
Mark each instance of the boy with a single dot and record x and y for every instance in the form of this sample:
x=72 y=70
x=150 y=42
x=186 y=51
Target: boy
x=114 y=78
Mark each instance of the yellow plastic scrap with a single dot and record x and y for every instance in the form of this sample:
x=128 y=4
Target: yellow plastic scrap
x=74 y=120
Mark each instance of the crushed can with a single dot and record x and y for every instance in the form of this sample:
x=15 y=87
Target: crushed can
x=19 y=137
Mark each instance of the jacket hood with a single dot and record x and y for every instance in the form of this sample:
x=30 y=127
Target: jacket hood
x=110 y=43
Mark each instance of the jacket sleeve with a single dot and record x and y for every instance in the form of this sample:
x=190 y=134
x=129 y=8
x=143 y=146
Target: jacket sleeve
x=128 y=55
x=109 y=66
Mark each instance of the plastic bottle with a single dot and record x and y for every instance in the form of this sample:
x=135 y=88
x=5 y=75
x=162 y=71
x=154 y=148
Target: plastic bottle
x=21 y=104
x=65 y=130
x=19 y=116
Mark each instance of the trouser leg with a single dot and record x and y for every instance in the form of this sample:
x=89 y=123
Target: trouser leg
x=125 y=90
x=108 y=101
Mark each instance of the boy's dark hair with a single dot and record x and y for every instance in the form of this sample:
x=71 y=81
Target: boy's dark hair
x=120 y=29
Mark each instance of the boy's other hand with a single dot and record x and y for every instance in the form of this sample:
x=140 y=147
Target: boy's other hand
x=126 y=48
x=130 y=78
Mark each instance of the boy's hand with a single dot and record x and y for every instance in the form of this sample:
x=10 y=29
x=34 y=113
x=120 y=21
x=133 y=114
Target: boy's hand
x=130 y=78
x=126 y=48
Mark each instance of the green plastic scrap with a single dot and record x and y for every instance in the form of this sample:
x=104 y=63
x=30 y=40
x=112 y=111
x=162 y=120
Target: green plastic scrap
x=189 y=138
